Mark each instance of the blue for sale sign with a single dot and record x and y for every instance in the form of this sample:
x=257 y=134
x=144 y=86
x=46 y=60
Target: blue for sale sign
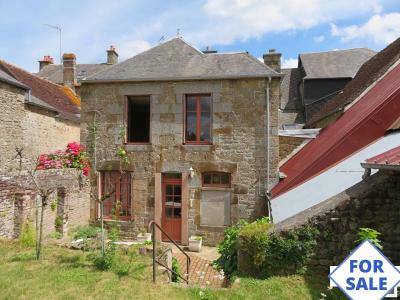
x=366 y=274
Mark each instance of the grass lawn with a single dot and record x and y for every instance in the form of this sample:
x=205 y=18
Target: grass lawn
x=68 y=274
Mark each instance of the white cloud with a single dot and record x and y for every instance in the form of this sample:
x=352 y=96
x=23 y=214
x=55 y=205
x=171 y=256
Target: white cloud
x=319 y=39
x=243 y=19
x=128 y=48
x=381 y=29
x=289 y=63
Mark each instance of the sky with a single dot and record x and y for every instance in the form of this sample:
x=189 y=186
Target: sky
x=291 y=27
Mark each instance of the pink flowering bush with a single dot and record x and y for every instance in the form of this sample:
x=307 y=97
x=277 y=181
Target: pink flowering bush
x=73 y=156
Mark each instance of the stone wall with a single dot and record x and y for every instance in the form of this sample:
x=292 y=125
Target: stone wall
x=36 y=130
x=238 y=142
x=18 y=198
x=287 y=144
x=373 y=203
x=11 y=113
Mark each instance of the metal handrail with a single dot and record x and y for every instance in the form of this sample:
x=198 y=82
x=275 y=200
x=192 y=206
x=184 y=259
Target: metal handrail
x=153 y=226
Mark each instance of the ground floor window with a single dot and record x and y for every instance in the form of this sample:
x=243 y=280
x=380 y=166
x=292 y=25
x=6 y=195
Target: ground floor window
x=118 y=186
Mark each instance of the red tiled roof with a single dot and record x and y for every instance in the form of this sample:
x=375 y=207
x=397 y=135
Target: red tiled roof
x=363 y=123
x=391 y=157
x=61 y=98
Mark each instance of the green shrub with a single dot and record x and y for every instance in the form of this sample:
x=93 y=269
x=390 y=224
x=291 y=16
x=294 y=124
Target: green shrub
x=84 y=232
x=56 y=235
x=228 y=249
x=266 y=254
x=289 y=252
x=371 y=235
x=27 y=236
x=176 y=271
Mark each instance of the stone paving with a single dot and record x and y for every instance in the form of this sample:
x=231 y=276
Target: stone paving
x=201 y=273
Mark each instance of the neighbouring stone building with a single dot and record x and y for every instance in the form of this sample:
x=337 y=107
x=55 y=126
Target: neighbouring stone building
x=36 y=116
x=198 y=140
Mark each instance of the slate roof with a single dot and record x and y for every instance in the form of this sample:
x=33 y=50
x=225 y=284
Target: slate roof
x=290 y=98
x=5 y=77
x=334 y=64
x=54 y=73
x=45 y=93
x=369 y=73
x=177 y=60
x=368 y=120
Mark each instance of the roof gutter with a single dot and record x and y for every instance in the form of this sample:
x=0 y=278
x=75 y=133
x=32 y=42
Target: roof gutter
x=180 y=78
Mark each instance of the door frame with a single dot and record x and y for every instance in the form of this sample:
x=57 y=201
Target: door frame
x=185 y=207
x=165 y=182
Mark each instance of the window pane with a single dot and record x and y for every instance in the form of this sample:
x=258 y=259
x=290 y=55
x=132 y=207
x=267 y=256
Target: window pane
x=169 y=201
x=191 y=126
x=191 y=103
x=169 y=189
x=216 y=179
x=177 y=212
x=205 y=126
x=225 y=178
x=205 y=103
x=207 y=179
x=178 y=201
x=168 y=212
x=177 y=190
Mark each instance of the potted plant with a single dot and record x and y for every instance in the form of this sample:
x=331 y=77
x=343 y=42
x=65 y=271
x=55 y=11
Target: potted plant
x=195 y=243
x=143 y=236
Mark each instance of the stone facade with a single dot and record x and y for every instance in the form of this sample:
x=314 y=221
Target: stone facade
x=287 y=144
x=373 y=203
x=18 y=199
x=239 y=144
x=30 y=127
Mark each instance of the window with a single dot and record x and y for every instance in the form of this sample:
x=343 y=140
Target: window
x=216 y=179
x=198 y=119
x=118 y=186
x=138 y=110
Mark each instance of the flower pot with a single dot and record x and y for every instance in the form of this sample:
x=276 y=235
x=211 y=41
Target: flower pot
x=195 y=243
x=143 y=237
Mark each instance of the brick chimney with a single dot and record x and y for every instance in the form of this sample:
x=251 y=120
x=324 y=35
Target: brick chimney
x=47 y=60
x=112 y=56
x=273 y=60
x=69 y=70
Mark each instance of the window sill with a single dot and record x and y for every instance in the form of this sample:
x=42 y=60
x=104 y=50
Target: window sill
x=217 y=188
x=138 y=147
x=197 y=147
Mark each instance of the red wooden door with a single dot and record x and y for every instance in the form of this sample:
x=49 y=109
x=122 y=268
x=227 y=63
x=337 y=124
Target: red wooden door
x=172 y=208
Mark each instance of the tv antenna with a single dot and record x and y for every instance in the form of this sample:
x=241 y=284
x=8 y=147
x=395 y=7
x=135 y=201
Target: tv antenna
x=58 y=28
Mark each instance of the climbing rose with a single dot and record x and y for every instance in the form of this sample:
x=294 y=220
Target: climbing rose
x=73 y=156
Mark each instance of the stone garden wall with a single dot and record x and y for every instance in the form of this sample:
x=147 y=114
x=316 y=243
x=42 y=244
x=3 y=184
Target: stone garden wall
x=373 y=203
x=18 y=197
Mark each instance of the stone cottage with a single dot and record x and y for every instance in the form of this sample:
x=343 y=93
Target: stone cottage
x=194 y=133
x=37 y=116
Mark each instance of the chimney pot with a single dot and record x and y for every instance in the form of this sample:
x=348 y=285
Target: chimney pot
x=112 y=56
x=273 y=60
x=69 y=70
x=47 y=60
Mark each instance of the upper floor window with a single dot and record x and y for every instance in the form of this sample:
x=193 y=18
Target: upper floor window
x=198 y=119
x=216 y=179
x=138 y=119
